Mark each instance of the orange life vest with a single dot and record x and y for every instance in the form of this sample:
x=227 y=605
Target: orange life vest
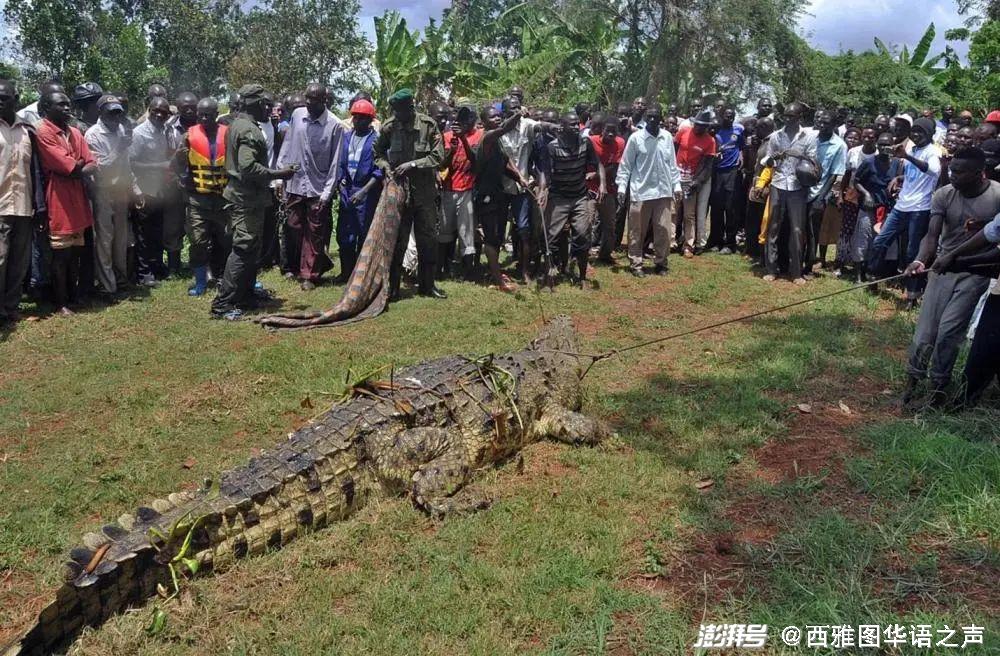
x=207 y=175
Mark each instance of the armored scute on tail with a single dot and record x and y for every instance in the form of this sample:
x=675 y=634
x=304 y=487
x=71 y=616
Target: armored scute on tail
x=424 y=434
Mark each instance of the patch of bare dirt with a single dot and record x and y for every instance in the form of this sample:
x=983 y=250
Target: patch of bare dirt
x=21 y=603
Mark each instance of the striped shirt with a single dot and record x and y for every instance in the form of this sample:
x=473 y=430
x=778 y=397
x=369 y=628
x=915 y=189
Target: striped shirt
x=568 y=167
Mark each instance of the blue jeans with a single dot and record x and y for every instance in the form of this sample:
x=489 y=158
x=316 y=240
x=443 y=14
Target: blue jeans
x=915 y=224
x=520 y=209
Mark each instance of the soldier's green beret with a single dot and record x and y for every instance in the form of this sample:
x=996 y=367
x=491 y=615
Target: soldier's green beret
x=401 y=95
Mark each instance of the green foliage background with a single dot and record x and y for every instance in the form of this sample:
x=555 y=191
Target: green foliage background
x=600 y=51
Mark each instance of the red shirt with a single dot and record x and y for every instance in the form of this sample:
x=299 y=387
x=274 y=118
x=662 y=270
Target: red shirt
x=461 y=176
x=69 y=210
x=692 y=147
x=608 y=154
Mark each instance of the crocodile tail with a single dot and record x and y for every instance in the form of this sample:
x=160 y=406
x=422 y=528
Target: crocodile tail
x=121 y=565
x=260 y=506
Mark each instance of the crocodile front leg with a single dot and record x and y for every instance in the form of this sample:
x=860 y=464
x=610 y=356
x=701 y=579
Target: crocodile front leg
x=433 y=464
x=559 y=423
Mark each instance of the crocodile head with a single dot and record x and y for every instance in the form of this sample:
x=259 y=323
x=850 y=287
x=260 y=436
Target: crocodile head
x=558 y=339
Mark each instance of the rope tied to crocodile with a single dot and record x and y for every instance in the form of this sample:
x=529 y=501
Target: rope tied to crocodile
x=598 y=357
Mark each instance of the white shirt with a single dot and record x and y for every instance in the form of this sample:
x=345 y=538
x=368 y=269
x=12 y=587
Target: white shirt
x=517 y=145
x=649 y=166
x=856 y=155
x=918 y=186
x=29 y=114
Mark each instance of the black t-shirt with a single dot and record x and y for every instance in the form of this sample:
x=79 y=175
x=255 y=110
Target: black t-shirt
x=568 y=167
x=490 y=166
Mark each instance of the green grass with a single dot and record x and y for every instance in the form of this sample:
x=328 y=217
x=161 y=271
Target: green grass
x=100 y=412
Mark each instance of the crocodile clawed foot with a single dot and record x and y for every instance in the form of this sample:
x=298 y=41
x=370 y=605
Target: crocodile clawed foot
x=458 y=505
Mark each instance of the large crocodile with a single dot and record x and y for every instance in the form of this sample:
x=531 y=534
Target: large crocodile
x=423 y=433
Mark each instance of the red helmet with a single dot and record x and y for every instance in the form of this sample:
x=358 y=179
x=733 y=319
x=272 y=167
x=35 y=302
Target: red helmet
x=993 y=117
x=363 y=107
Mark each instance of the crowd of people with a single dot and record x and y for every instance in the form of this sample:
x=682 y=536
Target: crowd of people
x=93 y=202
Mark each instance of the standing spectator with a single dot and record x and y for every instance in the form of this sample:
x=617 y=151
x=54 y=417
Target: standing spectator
x=609 y=148
x=852 y=197
x=831 y=154
x=31 y=114
x=725 y=183
x=85 y=98
x=248 y=190
x=492 y=166
x=763 y=128
x=174 y=203
x=517 y=145
x=784 y=150
x=66 y=162
x=457 y=218
x=649 y=172
x=696 y=150
x=982 y=365
x=150 y=157
x=959 y=210
x=360 y=182
x=17 y=202
x=201 y=163
x=313 y=146
x=409 y=149
x=565 y=182
x=921 y=168
x=112 y=191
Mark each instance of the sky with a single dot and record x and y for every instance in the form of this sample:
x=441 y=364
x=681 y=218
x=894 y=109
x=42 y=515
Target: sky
x=831 y=25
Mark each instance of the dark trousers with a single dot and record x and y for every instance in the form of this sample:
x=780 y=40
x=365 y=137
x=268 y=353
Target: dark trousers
x=270 y=246
x=67 y=266
x=41 y=258
x=754 y=217
x=15 y=258
x=723 y=201
x=246 y=228
x=208 y=234
x=420 y=214
x=983 y=364
x=815 y=212
x=308 y=225
x=148 y=230
x=787 y=207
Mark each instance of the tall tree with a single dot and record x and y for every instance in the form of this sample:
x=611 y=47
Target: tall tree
x=288 y=43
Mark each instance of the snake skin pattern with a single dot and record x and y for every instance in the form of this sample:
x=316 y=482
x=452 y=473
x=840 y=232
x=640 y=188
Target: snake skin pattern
x=367 y=289
x=422 y=434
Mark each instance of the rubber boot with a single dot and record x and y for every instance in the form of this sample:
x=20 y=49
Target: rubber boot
x=425 y=278
x=581 y=264
x=174 y=263
x=444 y=261
x=200 y=281
x=910 y=391
x=861 y=273
x=468 y=268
